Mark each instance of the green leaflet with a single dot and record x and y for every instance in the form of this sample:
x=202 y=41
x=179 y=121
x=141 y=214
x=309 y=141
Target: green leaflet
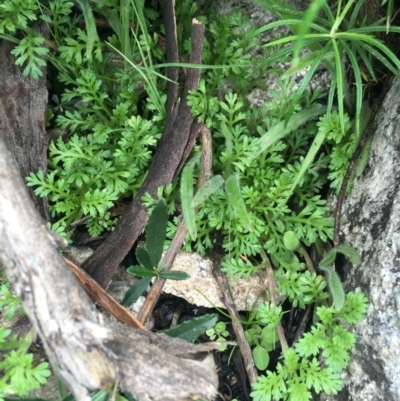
x=335 y=287
x=90 y=26
x=261 y=357
x=156 y=231
x=135 y=291
x=211 y=186
x=192 y=329
x=314 y=148
x=144 y=258
x=279 y=131
x=173 y=275
x=141 y=271
x=232 y=187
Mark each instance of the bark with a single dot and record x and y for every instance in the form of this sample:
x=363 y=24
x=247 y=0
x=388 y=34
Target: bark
x=23 y=102
x=82 y=350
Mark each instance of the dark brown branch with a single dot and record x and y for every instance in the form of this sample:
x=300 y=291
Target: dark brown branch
x=180 y=235
x=103 y=264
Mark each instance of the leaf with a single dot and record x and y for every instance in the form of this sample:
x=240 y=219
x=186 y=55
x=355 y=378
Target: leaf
x=329 y=258
x=350 y=252
x=314 y=148
x=174 y=275
x=269 y=335
x=192 y=329
x=135 y=291
x=261 y=357
x=279 y=131
x=142 y=271
x=232 y=187
x=211 y=186
x=187 y=198
x=156 y=231
x=144 y=258
x=290 y=240
x=335 y=287
x=90 y=26
x=308 y=18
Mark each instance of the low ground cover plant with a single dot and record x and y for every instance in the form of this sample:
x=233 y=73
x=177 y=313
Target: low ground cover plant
x=271 y=163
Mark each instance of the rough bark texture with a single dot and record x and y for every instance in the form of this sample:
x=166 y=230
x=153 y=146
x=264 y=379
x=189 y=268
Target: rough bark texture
x=23 y=102
x=372 y=226
x=82 y=351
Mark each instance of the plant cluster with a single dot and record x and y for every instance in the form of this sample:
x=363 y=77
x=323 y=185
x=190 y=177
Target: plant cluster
x=18 y=373
x=270 y=162
x=317 y=359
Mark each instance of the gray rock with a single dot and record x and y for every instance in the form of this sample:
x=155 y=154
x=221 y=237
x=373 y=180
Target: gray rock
x=372 y=226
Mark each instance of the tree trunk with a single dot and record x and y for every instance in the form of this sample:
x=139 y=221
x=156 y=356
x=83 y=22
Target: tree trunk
x=82 y=350
x=23 y=102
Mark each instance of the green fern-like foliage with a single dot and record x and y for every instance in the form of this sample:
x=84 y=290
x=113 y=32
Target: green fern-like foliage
x=316 y=361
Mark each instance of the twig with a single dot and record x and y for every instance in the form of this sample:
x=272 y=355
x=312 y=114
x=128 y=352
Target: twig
x=304 y=321
x=236 y=325
x=181 y=232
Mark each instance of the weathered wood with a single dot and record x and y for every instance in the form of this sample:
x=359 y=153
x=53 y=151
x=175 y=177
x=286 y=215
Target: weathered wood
x=82 y=350
x=23 y=102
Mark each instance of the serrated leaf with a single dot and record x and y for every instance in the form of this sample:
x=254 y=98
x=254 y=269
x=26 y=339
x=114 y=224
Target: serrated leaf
x=335 y=287
x=156 y=231
x=232 y=187
x=141 y=271
x=135 y=291
x=260 y=357
x=290 y=240
x=350 y=252
x=144 y=258
x=174 y=275
x=194 y=328
x=211 y=186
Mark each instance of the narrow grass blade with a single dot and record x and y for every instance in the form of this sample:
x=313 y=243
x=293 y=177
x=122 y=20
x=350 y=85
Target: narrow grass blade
x=309 y=16
x=340 y=83
x=359 y=88
x=156 y=231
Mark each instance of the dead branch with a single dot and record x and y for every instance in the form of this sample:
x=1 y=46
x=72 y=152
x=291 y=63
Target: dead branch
x=82 y=350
